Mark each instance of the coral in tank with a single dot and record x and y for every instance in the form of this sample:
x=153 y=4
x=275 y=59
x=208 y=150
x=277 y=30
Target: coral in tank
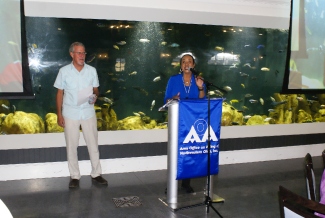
x=109 y=118
x=303 y=117
x=98 y=111
x=255 y=120
x=2 y=118
x=51 y=124
x=135 y=122
x=320 y=116
x=20 y=122
x=230 y=115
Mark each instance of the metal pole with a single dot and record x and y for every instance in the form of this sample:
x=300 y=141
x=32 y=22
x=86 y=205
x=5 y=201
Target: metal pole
x=211 y=187
x=172 y=184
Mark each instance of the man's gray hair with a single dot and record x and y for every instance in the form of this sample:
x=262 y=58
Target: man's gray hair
x=75 y=44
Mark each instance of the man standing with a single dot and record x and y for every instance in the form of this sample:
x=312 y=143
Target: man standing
x=77 y=85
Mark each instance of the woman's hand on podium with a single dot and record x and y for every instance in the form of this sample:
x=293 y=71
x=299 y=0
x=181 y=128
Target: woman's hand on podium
x=176 y=97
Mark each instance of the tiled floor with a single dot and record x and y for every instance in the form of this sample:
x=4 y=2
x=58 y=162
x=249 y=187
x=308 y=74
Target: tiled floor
x=249 y=190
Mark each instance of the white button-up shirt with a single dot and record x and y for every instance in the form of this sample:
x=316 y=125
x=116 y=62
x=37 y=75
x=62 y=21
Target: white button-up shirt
x=72 y=81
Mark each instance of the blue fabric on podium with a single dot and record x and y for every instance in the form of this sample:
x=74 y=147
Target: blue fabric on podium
x=193 y=138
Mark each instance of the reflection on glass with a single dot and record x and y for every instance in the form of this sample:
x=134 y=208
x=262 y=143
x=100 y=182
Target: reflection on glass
x=120 y=64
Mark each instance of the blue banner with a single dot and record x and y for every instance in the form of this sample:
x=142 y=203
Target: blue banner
x=193 y=138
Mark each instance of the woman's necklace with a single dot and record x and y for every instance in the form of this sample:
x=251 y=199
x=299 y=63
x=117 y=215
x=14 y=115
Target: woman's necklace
x=187 y=88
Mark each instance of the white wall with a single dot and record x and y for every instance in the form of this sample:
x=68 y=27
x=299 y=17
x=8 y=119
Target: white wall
x=248 y=13
x=122 y=165
x=50 y=140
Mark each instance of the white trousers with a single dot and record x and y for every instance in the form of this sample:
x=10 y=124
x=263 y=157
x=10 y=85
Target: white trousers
x=72 y=135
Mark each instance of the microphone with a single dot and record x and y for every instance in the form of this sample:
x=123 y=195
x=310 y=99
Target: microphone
x=207 y=83
x=193 y=71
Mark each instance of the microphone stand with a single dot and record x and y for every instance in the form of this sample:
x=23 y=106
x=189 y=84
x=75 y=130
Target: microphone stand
x=208 y=202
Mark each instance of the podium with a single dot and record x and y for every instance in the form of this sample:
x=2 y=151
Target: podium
x=173 y=200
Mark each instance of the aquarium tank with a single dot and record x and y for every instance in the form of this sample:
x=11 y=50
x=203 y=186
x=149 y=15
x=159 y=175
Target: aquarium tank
x=134 y=61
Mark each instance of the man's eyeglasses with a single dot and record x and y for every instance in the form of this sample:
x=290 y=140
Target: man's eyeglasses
x=79 y=53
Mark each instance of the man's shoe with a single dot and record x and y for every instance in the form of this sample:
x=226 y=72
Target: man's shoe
x=100 y=180
x=74 y=183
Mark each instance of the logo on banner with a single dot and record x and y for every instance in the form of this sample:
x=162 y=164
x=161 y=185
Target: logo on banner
x=199 y=132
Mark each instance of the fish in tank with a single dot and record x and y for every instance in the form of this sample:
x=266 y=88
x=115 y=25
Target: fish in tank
x=134 y=61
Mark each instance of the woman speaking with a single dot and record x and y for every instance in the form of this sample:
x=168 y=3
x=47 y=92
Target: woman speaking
x=185 y=85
